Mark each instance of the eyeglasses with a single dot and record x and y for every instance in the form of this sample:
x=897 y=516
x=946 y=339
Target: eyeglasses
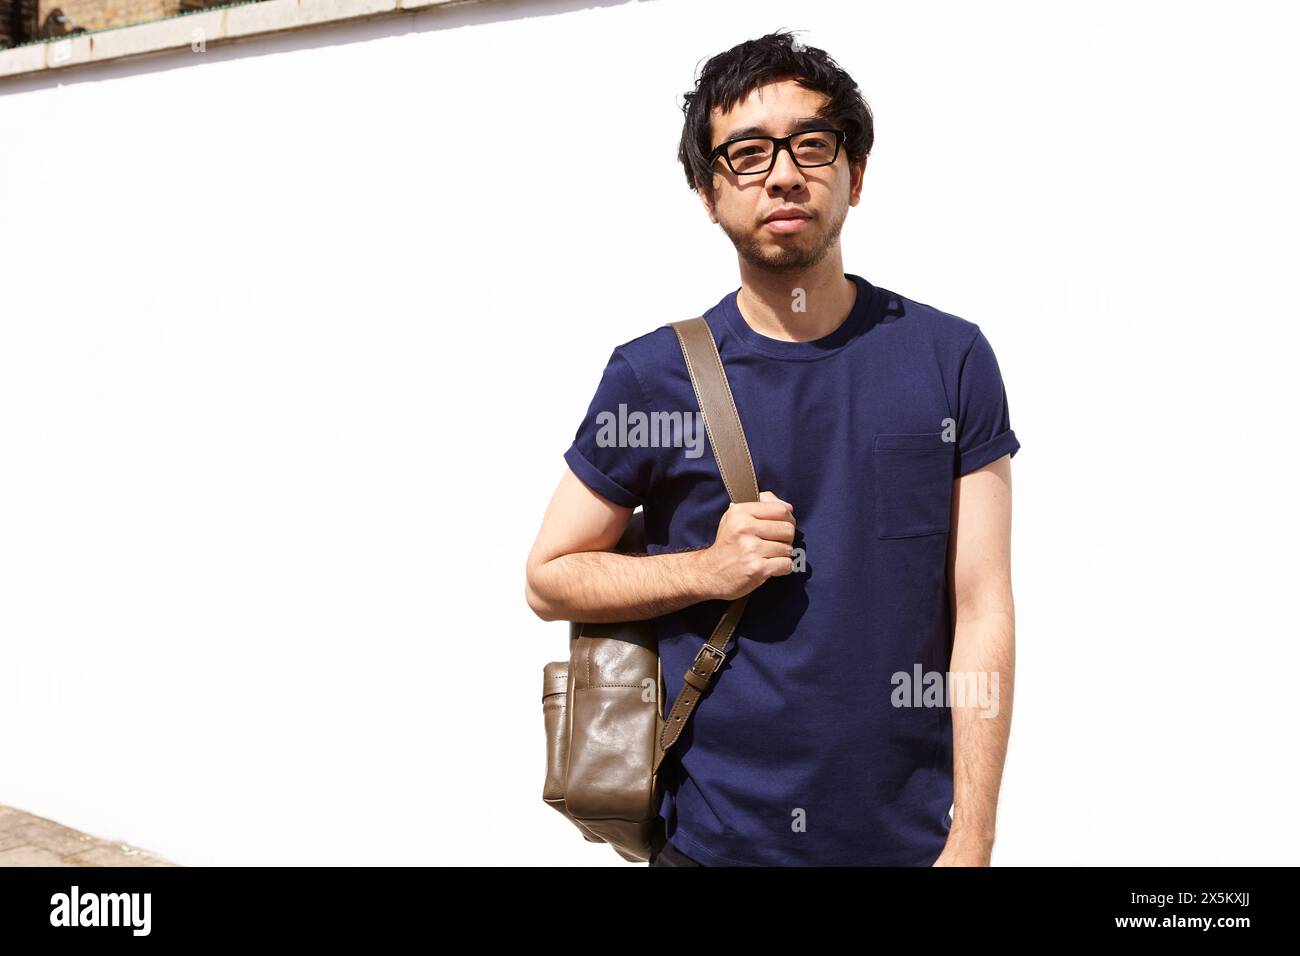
x=756 y=154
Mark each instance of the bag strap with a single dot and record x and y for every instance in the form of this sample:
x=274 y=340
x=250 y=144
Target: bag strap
x=730 y=451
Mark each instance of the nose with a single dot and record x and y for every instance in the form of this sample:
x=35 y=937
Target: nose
x=784 y=169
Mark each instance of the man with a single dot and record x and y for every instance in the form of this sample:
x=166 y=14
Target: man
x=878 y=558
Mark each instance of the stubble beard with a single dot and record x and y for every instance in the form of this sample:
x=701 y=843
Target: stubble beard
x=791 y=255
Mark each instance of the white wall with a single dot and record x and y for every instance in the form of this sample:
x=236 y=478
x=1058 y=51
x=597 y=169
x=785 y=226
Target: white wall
x=291 y=345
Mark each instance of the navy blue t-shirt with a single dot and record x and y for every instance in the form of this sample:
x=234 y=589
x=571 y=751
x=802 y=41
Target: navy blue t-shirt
x=797 y=755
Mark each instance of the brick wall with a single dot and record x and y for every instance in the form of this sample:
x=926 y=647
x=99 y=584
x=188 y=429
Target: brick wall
x=24 y=20
x=98 y=14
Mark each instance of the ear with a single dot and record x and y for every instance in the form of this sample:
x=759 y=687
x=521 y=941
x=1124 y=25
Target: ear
x=857 y=173
x=706 y=199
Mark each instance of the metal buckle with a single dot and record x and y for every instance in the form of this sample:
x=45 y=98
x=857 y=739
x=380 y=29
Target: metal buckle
x=710 y=649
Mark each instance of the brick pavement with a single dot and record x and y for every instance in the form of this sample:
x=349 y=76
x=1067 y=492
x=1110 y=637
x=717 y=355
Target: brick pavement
x=29 y=840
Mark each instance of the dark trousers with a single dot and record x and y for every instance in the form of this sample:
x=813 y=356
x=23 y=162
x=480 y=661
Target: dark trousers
x=663 y=853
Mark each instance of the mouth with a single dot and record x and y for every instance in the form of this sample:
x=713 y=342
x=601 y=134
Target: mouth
x=786 y=223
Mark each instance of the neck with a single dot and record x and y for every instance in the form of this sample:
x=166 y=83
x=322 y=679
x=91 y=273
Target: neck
x=797 y=307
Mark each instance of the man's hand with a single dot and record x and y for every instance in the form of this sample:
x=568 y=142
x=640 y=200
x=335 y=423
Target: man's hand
x=754 y=542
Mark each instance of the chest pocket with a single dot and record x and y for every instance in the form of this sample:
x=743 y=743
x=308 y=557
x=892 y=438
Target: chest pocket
x=914 y=475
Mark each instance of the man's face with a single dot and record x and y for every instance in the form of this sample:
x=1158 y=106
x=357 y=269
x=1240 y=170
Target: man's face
x=741 y=204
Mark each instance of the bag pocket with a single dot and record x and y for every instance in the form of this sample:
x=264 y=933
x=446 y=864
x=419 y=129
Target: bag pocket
x=555 y=710
x=914 y=476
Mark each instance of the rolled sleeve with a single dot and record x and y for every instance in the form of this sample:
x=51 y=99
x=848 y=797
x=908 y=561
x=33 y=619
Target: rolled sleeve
x=598 y=481
x=618 y=470
x=984 y=431
x=990 y=451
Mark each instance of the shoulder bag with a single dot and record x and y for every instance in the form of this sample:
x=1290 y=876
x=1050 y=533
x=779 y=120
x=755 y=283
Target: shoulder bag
x=606 y=735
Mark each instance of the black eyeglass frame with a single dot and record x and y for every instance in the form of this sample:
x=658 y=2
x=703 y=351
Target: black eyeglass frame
x=778 y=143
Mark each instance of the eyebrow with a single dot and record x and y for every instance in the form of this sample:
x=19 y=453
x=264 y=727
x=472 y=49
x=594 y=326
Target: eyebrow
x=803 y=123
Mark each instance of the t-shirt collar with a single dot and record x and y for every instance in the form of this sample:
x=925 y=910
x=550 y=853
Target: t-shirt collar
x=832 y=342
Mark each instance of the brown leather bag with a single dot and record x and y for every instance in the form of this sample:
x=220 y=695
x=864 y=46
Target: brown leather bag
x=605 y=733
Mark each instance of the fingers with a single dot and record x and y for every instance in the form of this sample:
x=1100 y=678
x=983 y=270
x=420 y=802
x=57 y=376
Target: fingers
x=761 y=535
x=768 y=497
x=768 y=507
x=775 y=549
x=771 y=530
x=779 y=567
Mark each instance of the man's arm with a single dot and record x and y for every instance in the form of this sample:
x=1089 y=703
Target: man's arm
x=573 y=576
x=983 y=646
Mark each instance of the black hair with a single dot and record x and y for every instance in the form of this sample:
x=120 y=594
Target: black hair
x=731 y=76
